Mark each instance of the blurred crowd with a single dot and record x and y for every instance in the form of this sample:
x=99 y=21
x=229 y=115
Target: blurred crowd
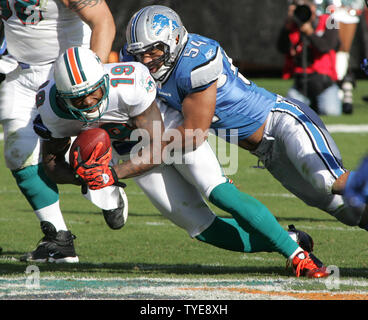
x=316 y=40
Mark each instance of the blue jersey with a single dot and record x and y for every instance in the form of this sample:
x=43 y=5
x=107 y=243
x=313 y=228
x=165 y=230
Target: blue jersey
x=240 y=103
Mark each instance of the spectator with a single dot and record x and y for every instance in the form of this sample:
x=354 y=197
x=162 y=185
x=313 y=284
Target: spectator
x=346 y=14
x=310 y=50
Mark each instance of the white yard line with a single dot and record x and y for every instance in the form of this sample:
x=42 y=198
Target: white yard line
x=168 y=288
x=347 y=128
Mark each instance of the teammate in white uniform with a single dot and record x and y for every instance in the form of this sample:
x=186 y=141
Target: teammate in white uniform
x=120 y=97
x=36 y=33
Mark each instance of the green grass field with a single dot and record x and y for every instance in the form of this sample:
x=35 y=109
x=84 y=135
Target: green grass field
x=150 y=252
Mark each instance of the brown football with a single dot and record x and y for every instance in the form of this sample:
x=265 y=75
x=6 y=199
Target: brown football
x=87 y=141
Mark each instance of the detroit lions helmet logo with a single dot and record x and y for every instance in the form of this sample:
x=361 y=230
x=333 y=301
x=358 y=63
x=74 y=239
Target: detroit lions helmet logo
x=160 y=22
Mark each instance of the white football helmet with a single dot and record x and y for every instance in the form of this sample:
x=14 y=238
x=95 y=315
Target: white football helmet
x=157 y=27
x=79 y=72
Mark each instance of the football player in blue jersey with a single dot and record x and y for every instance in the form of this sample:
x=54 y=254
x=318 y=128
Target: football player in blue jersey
x=250 y=216
x=177 y=189
x=195 y=76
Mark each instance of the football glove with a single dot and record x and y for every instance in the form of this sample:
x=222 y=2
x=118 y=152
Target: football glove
x=96 y=172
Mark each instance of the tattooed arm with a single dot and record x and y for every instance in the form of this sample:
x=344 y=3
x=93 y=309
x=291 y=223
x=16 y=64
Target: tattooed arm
x=97 y=15
x=150 y=155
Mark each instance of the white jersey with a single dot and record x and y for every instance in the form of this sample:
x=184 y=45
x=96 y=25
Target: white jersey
x=132 y=91
x=38 y=31
x=172 y=190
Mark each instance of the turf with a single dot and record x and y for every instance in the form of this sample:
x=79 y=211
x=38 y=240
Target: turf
x=151 y=246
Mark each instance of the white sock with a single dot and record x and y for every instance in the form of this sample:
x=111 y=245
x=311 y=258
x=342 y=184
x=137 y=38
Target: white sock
x=296 y=252
x=52 y=214
x=342 y=64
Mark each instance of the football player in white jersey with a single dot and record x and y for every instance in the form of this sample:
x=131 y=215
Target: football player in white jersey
x=119 y=98
x=195 y=76
x=36 y=32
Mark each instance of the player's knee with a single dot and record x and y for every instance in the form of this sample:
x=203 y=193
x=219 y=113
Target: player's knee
x=323 y=184
x=18 y=156
x=12 y=158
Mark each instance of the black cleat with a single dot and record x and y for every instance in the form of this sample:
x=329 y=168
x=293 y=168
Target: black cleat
x=303 y=239
x=55 y=247
x=347 y=108
x=114 y=218
x=347 y=87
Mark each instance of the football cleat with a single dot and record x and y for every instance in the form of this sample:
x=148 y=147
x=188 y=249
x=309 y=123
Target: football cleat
x=114 y=218
x=303 y=239
x=55 y=247
x=307 y=265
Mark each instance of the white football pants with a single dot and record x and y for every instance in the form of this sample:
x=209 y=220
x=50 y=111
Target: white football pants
x=299 y=152
x=178 y=190
x=17 y=112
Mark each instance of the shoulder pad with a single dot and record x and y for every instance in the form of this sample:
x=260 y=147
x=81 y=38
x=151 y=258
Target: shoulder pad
x=208 y=71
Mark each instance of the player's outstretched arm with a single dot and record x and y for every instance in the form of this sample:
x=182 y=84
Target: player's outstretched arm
x=198 y=110
x=97 y=15
x=151 y=126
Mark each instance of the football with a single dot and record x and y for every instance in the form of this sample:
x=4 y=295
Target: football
x=87 y=141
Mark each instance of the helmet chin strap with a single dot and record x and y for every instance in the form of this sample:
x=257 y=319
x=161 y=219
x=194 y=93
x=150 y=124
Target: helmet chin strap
x=99 y=111
x=161 y=74
x=165 y=70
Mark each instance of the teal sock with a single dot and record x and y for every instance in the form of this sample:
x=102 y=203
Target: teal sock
x=254 y=218
x=226 y=233
x=38 y=189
